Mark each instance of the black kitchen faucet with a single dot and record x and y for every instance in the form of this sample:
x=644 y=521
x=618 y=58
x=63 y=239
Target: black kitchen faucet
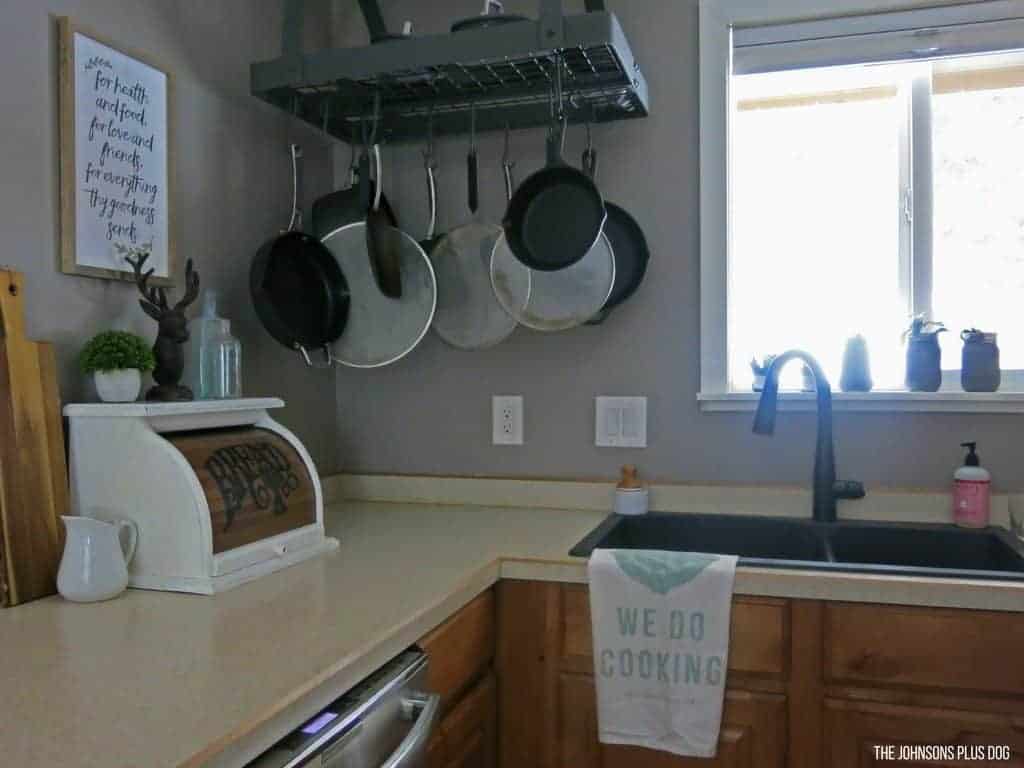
x=826 y=490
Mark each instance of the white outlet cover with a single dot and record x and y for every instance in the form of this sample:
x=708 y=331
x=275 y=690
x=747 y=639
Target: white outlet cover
x=507 y=419
x=620 y=422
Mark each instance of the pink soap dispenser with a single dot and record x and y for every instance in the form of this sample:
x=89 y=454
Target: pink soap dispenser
x=972 y=487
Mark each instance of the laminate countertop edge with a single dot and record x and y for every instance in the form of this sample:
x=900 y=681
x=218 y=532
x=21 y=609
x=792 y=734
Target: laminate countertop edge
x=229 y=674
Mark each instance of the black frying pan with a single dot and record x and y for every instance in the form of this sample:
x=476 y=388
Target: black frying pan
x=300 y=294
x=339 y=209
x=297 y=287
x=555 y=216
x=629 y=246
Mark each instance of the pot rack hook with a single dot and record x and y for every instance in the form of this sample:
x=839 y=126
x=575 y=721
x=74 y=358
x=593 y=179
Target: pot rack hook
x=507 y=164
x=296 y=219
x=378 y=172
x=556 y=130
x=370 y=138
x=472 y=127
x=472 y=192
x=377 y=116
x=353 y=163
x=589 y=162
x=506 y=155
x=559 y=92
x=428 y=152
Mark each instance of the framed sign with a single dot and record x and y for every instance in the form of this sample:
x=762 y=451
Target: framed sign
x=115 y=170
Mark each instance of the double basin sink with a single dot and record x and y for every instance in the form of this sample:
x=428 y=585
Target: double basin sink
x=860 y=547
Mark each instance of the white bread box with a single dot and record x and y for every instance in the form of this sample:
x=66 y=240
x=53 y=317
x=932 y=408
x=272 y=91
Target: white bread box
x=221 y=493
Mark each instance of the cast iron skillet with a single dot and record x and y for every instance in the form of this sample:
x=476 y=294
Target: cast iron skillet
x=300 y=294
x=556 y=215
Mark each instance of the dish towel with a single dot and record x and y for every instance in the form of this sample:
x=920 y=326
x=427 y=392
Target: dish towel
x=661 y=647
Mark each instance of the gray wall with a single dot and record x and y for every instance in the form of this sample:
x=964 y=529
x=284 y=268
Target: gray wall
x=233 y=180
x=431 y=412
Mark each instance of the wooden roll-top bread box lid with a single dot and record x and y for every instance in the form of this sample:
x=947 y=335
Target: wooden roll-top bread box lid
x=221 y=493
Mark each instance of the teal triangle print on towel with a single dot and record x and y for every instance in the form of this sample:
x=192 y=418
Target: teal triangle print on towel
x=661 y=572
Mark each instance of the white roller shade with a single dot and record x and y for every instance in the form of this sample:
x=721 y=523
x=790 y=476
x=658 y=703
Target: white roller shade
x=924 y=34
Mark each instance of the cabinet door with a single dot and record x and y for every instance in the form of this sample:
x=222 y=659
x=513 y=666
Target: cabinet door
x=435 y=757
x=753 y=733
x=461 y=650
x=469 y=732
x=856 y=732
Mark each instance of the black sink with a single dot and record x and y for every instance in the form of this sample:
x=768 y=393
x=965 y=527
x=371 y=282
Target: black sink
x=938 y=547
x=752 y=538
x=924 y=550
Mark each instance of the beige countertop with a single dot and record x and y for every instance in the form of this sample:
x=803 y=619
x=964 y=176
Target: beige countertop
x=155 y=679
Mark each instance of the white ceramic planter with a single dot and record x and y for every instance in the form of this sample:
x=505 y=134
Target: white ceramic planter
x=120 y=386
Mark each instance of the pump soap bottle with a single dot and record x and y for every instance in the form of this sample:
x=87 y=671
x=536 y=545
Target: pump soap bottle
x=972 y=487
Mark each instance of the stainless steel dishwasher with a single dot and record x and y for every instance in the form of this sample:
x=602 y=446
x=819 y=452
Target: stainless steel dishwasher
x=384 y=722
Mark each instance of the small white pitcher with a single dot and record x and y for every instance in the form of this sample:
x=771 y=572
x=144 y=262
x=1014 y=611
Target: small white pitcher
x=95 y=562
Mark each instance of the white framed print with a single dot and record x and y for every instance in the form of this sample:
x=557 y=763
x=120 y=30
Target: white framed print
x=115 y=149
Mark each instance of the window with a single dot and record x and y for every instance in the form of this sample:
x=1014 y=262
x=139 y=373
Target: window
x=871 y=169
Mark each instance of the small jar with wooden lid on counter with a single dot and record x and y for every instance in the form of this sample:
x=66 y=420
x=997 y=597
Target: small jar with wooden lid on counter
x=631 y=497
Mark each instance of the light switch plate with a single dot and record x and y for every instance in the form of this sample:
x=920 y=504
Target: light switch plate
x=620 y=422
x=507 y=419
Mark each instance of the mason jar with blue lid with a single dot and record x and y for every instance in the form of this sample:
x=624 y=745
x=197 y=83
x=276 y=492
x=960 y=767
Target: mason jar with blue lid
x=980 y=370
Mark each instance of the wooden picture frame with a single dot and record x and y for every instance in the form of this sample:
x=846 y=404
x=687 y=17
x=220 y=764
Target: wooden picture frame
x=129 y=152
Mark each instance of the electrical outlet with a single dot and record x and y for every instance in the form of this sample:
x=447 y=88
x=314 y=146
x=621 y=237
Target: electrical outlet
x=507 y=419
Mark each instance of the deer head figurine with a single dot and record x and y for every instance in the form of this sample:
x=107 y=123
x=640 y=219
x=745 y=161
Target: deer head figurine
x=173 y=329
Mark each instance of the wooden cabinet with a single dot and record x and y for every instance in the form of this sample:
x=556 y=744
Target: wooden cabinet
x=753 y=733
x=810 y=684
x=547 y=702
x=461 y=650
x=470 y=732
x=857 y=732
x=461 y=653
x=926 y=648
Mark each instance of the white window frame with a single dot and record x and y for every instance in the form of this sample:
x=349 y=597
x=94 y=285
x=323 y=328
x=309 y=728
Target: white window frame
x=718 y=18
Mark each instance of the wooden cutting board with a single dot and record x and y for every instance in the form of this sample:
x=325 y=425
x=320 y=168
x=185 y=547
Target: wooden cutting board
x=33 y=467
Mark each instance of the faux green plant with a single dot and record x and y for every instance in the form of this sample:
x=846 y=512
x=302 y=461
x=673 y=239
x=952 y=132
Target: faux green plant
x=116 y=350
x=919 y=327
x=761 y=368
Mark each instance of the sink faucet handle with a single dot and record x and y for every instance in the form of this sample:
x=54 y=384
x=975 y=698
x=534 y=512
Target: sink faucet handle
x=848 y=489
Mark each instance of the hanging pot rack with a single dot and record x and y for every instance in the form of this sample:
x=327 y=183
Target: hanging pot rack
x=503 y=73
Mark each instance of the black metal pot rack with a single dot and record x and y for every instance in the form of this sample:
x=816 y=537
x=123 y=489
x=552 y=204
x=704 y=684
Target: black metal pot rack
x=504 y=72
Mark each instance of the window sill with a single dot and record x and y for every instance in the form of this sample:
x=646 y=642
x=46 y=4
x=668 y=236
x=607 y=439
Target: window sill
x=893 y=401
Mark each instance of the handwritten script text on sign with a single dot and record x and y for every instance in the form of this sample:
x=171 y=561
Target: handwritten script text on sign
x=120 y=156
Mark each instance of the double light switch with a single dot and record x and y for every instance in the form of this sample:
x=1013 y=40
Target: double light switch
x=620 y=422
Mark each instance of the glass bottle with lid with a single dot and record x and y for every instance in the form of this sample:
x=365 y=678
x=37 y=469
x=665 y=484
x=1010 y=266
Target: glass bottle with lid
x=225 y=363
